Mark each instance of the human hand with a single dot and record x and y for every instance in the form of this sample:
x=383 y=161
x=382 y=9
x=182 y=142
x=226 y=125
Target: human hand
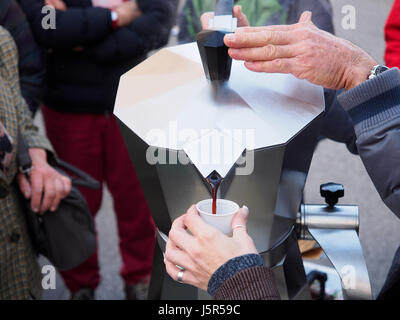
x=302 y=50
x=202 y=253
x=127 y=12
x=57 y=4
x=237 y=13
x=46 y=187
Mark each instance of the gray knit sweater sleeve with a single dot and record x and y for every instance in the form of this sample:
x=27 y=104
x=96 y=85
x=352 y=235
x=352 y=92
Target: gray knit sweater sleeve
x=374 y=107
x=243 y=278
x=256 y=283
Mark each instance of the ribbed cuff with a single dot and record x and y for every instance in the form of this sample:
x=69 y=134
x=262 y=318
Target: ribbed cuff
x=373 y=101
x=232 y=267
x=255 y=283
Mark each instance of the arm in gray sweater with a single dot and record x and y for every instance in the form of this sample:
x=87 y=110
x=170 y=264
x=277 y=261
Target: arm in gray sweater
x=374 y=107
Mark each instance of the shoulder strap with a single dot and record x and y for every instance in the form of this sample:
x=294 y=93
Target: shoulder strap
x=23 y=157
x=84 y=179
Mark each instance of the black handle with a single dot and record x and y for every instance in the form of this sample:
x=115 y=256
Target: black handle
x=223 y=7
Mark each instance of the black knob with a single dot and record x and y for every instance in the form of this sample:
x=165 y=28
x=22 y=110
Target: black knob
x=332 y=192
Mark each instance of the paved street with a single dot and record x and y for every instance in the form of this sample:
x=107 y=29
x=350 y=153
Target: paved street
x=379 y=232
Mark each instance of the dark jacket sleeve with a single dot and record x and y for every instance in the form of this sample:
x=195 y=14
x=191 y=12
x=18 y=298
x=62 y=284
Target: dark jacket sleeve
x=148 y=32
x=78 y=3
x=255 y=283
x=337 y=124
x=31 y=62
x=374 y=107
x=74 y=27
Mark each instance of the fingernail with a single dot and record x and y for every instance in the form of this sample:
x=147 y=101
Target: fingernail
x=35 y=210
x=230 y=37
x=27 y=194
x=244 y=212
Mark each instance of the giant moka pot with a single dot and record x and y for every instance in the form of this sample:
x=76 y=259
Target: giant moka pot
x=180 y=127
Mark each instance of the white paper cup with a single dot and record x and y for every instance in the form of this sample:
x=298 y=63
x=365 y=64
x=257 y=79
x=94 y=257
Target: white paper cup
x=226 y=209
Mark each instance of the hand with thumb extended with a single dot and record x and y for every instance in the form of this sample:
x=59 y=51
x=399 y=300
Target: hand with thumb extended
x=203 y=251
x=302 y=50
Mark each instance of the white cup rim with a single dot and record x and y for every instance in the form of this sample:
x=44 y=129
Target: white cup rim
x=217 y=215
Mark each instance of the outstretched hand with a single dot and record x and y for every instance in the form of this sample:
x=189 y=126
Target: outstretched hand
x=302 y=50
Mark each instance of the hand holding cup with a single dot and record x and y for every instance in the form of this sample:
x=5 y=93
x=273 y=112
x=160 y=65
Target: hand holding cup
x=203 y=251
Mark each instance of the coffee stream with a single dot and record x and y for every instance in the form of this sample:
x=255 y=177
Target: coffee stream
x=214 y=179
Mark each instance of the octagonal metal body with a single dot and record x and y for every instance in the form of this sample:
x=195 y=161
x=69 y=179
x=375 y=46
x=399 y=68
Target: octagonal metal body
x=169 y=110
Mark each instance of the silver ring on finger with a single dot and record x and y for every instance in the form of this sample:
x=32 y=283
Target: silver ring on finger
x=180 y=276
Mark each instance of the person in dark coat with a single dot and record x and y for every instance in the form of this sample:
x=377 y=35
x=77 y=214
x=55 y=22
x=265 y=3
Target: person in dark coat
x=31 y=58
x=91 y=46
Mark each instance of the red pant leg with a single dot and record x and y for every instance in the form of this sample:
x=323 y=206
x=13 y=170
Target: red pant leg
x=77 y=139
x=135 y=225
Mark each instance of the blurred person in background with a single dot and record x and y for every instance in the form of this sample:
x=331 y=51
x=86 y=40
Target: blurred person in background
x=392 y=37
x=20 y=276
x=31 y=58
x=92 y=45
x=258 y=13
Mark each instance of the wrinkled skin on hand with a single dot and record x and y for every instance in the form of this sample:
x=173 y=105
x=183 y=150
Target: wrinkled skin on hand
x=302 y=50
